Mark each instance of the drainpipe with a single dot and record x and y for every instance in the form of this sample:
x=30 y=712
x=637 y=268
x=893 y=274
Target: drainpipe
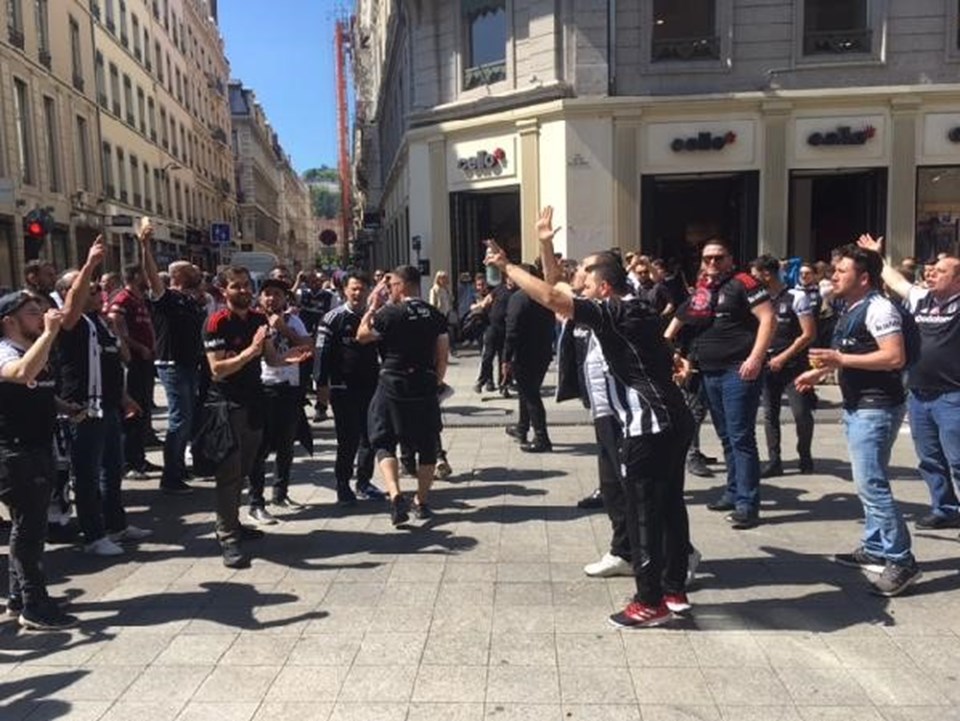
x=611 y=47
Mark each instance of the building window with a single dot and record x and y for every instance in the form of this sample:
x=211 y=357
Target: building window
x=147 y=63
x=108 y=187
x=152 y=117
x=108 y=14
x=21 y=109
x=53 y=144
x=115 y=89
x=123 y=24
x=159 y=57
x=183 y=142
x=147 y=194
x=173 y=138
x=685 y=30
x=485 y=42
x=135 y=181
x=83 y=154
x=836 y=27
x=169 y=75
x=100 y=80
x=76 y=55
x=15 y=23
x=128 y=100
x=178 y=198
x=142 y=110
x=135 y=31
x=176 y=72
x=164 y=137
x=43 y=31
x=122 y=176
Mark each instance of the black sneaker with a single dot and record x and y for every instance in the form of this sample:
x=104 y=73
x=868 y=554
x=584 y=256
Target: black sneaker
x=721 y=504
x=478 y=387
x=234 y=556
x=369 y=492
x=537 y=445
x=742 y=520
x=62 y=533
x=14 y=607
x=861 y=559
x=709 y=460
x=422 y=511
x=286 y=502
x=772 y=469
x=806 y=466
x=176 y=489
x=399 y=512
x=46 y=616
x=346 y=498
x=696 y=467
x=933 y=521
x=896 y=578
x=516 y=433
x=591 y=502
x=489 y=387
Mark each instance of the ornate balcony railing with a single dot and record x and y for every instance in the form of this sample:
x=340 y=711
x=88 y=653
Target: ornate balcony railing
x=704 y=47
x=837 y=42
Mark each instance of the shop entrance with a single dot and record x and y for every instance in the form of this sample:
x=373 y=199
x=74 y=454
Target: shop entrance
x=828 y=210
x=680 y=212
x=476 y=215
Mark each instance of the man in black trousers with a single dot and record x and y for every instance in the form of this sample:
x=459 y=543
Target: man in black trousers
x=346 y=374
x=527 y=350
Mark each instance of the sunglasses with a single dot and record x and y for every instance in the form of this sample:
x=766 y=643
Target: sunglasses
x=707 y=259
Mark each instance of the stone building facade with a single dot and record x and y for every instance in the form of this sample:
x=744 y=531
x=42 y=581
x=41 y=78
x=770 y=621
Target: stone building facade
x=786 y=126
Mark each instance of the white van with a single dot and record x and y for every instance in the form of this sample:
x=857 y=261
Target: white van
x=259 y=264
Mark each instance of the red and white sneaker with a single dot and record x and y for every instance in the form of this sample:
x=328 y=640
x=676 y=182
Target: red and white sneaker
x=677 y=602
x=640 y=615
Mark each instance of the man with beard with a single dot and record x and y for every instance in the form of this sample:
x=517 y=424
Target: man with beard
x=130 y=317
x=235 y=338
x=405 y=408
x=283 y=399
x=40 y=279
x=653 y=420
x=346 y=373
x=27 y=419
x=178 y=316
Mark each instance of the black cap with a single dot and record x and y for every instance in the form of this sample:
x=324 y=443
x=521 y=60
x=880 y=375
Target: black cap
x=12 y=302
x=275 y=283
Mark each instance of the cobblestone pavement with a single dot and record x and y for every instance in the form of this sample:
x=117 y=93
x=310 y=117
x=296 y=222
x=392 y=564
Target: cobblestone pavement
x=484 y=612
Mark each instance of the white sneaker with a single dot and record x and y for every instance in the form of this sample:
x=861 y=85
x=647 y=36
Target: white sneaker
x=693 y=560
x=130 y=533
x=607 y=566
x=103 y=547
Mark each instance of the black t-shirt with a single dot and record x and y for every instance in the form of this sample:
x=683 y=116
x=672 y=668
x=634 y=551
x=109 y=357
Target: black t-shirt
x=629 y=332
x=938 y=367
x=178 y=322
x=790 y=305
x=227 y=331
x=659 y=296
x=28 y=412
x=408 y=345
x=728 y=340
x=498 y=308
x=74 y=355
x=341 y=361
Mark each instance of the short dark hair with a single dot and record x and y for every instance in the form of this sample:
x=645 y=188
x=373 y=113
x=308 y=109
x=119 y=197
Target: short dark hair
x=717 y=240
x=233 y=272
x=130 y=272
x=357 y=275
x=766 y=263
x=408 y=274
x=613 y=274
x=864 y=261
x=34 y=267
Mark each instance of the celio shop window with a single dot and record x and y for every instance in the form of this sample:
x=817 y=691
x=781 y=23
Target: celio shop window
x=938 y=212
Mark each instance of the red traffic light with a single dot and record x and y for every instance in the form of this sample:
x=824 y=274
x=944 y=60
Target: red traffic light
x=35 y=229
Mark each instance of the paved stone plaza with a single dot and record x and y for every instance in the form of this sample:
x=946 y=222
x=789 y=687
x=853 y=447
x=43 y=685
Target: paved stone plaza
x=484 y=612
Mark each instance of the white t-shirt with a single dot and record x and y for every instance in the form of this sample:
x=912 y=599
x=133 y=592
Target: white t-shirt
x=290 y=374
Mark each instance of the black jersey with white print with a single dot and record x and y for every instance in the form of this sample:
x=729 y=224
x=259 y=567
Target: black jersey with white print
x=937 y=369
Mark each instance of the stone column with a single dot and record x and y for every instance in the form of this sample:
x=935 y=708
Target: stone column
x=441 y=250
x=902 y=179
x=626 y=188
x=529 y=131
x=774 y=180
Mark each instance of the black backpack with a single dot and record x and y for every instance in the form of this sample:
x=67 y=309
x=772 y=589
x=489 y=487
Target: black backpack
x=852 y=326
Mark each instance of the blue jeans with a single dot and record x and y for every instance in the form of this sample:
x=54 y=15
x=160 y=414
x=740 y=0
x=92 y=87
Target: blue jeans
x=733 y=406
x=96 y=455
x=935 y=426
x=181 y=386
x=870 y=435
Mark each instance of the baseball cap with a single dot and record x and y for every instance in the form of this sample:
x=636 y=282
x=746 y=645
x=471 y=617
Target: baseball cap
x=274 y=283
x=12 y=302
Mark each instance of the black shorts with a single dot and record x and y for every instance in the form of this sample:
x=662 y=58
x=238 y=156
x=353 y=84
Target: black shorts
x=414 y=422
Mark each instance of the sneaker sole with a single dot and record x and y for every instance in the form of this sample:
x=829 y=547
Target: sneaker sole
x=610 y=573
x=869 y=567
x=260 y=522
x=646 y=624
x=896 y=591
x=679 y=607
x=39 y=626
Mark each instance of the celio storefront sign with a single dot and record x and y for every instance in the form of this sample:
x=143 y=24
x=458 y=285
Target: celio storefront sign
x=703 y=141
x=483 y=162
x=843 y=135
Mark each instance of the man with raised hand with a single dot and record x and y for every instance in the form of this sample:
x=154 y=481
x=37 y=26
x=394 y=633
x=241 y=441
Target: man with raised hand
x=933 y=382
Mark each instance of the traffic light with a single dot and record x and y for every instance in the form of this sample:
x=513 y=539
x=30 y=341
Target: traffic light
x=36 y=225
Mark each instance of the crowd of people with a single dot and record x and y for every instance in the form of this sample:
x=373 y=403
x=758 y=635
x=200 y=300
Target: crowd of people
x=648 y=351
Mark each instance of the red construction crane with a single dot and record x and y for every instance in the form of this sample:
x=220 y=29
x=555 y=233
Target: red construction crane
x=343 y=46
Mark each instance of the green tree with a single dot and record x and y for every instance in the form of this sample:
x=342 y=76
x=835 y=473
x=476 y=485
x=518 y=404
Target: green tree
x=326 y=203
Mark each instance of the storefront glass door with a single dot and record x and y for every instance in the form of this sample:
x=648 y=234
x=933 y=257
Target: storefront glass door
x=478 y=215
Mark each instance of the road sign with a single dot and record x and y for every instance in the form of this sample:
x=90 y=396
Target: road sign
x=120 y=221
x=220 y=233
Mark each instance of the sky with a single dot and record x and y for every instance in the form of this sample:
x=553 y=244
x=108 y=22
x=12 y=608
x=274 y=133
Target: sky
x=284 y=51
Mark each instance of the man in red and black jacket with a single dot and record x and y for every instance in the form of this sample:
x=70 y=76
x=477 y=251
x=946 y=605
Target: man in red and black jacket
x=235 y=338
x=735 y=322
